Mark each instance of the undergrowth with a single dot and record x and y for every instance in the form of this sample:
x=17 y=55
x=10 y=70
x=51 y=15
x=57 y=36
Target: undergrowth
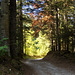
x=3 y=49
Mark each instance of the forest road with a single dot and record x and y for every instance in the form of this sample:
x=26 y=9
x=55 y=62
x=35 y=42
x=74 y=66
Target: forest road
x=46 y=68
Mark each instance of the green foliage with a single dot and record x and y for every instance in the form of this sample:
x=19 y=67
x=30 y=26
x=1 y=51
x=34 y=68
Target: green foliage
x=3 y=49
x=3 y=40
x=37 y=46
x=62 y=29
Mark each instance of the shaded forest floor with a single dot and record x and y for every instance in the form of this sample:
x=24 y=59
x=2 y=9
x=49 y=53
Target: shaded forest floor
x=65 y=60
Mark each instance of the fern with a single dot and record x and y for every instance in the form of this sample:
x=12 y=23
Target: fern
x=3 y=49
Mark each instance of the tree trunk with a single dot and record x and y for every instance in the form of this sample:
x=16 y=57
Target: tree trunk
x=20 y=41
x=73 y=37
x=12 y=29
x=4 y=23
x=67 y=39
x=57 y=32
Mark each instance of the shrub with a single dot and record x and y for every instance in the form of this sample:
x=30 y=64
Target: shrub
x=3 y=49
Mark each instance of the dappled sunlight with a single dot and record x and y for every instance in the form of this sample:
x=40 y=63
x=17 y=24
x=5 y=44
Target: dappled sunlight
x=36 y=47
x=37 y=37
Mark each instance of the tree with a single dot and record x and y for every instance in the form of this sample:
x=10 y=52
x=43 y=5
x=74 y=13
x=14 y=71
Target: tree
x=64 y=22
x=12 y=29
x=19 y=28
x=4 y=23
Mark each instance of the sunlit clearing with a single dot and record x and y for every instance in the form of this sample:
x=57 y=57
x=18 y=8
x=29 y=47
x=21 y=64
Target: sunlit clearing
x=36 y=47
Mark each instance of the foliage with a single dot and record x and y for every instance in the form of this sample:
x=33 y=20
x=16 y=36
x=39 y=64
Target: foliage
x=57 y=21
x=37 y=46
x=3 y=49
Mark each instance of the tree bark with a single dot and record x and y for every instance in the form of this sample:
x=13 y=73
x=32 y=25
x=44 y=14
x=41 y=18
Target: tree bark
x=12 y=29
x=20 y=40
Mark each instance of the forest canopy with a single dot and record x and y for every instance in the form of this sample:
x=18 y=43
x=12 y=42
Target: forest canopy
x=35 y=27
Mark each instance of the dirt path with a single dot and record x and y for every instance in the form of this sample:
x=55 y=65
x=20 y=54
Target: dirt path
x=52 y=64
x=46 y=68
